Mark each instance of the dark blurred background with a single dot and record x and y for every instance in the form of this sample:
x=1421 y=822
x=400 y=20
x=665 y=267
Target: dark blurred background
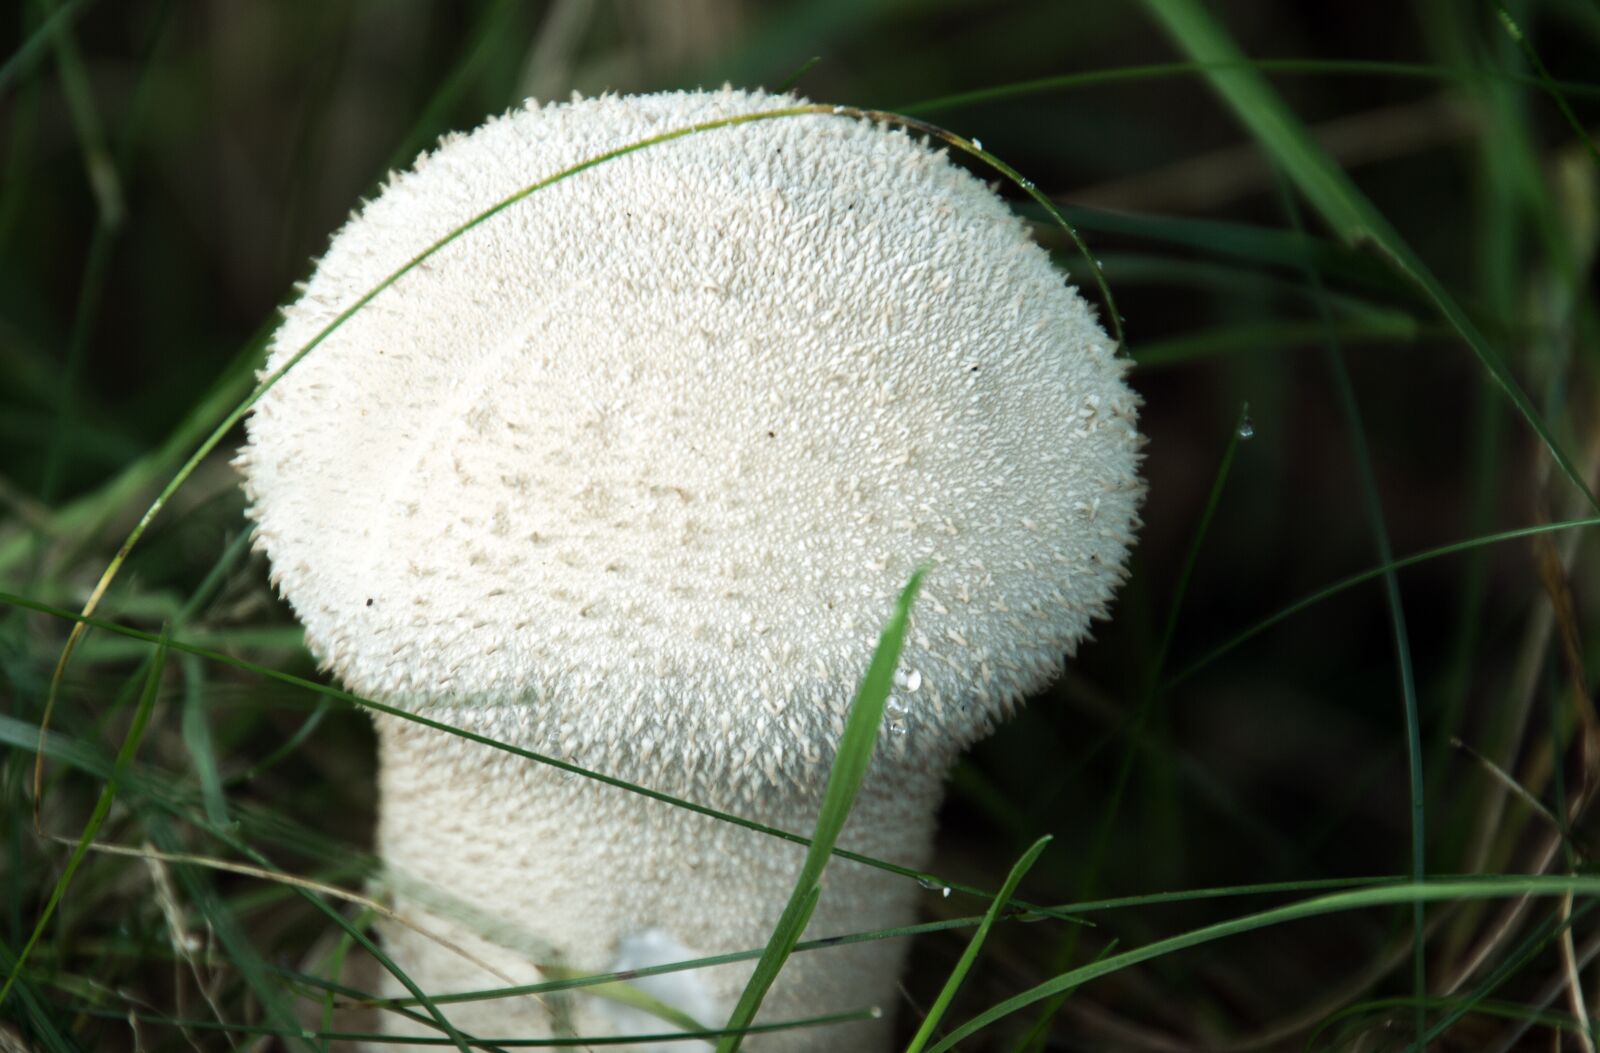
x=169 y=170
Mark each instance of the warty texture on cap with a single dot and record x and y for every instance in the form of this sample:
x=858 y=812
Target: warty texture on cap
x=635 y=468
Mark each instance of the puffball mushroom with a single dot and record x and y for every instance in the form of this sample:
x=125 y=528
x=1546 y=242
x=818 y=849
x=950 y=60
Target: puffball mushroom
x=631 y=474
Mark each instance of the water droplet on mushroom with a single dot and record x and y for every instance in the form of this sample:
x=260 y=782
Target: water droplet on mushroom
x=897 y=727
x=1247 y=430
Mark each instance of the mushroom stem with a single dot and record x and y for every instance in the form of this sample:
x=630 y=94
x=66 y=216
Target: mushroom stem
x=540 y=874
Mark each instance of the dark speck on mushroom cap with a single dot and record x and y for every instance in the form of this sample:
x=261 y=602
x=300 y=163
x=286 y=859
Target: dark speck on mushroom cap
x=636 y=487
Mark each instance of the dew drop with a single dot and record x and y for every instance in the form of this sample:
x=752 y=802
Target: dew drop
x=977 y=144
x=897 y=727
x=1247 y=430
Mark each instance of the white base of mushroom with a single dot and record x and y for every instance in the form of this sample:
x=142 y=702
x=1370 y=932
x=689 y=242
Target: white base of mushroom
x=532 y=872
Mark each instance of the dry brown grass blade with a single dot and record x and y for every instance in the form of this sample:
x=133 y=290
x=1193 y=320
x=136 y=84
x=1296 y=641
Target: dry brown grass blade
x=1506 y=925
x=247 y=870
x=1554 y=561
x=182 y=941
x=1553 y=575
x=1512 y=786
x=1278 y=1032
x=1574 y=984
x=1112 y=1030
x=1545 y=856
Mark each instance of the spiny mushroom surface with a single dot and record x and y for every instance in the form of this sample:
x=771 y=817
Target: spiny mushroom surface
x=631 y=473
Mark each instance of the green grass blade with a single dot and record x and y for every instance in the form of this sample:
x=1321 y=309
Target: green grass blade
x=930 y=1023
x=86 y=514
x=1351 y=409
x=794 y=78
x=1534 y=944
x=196 y=730
x=489 y=33
x=102 y=806
x=1361 y=68
x=844 y=780
x=289 y=745
x=1430 y=892
x=1218 y=278
x=367 y=1039
x=1498 y=1010
x=22 y=59
x=1550 y=87
x=99 y=168
x=1335 y=197
x=43 y=1028
x=106 y=165
x=1191 y=557
x=1250 y=244
x=1150 y=698
x=926 y=928
x=796 y=914
x=1312 y=599
x=1039 y=1033
x=335 y=964
x=1405 y=672
x=16 y=193
x=1263 y=337
x=619 y=990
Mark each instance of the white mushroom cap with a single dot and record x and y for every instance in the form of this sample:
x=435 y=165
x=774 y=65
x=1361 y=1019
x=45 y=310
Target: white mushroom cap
x=635 y=468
